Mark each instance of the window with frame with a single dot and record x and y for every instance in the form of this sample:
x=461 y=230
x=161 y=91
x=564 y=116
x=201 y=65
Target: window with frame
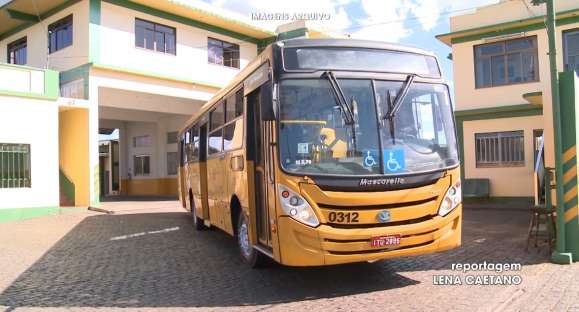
x=142 y=165
x=142 y=141
x=194 y=144
x=172 y=137
x=171 y=163
x=500 y=149
x=14 y=165
x=506 y=62
x=571 y=50
x=17 y=52
x=60 y=34
x=226 y=123
x=222 y=53
x=156 y=37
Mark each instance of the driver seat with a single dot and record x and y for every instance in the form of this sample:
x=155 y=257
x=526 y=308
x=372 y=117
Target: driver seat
x=338 y=147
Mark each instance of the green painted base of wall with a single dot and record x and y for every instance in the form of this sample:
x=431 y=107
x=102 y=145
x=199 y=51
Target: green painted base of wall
x=501 y=200
x=15 y=214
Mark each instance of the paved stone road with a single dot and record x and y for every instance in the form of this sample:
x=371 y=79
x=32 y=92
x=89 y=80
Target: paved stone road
x=147 y=257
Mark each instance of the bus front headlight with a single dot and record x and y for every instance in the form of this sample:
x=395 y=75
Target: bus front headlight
x=297 y=207
x=452 y=199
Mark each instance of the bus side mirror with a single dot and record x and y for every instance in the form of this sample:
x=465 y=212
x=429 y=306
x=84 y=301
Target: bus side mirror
x=268 y=102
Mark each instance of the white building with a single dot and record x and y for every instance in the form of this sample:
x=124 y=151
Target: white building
x=83 y=67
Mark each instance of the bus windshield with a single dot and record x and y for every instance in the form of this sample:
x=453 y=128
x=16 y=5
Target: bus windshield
x=314 y=137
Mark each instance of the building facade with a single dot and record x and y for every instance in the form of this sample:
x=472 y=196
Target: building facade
x=502 y=89
x=74 y=70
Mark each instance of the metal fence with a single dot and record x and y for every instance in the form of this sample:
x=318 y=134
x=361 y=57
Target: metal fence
x=14 y=165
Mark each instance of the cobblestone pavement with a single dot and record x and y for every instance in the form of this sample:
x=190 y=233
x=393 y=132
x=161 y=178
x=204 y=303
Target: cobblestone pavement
x=147 y=256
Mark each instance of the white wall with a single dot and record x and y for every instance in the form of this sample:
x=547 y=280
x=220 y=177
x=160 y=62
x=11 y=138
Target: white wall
x=157 y=150
x=118 y=48
x=40 y=131
x=37 y=41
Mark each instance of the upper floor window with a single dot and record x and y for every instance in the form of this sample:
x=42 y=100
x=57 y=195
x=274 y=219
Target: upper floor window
x=506 y=62
x=223 y=53
x=60 y=34
x=17 y=52
x=571 y=50
x=156 y=37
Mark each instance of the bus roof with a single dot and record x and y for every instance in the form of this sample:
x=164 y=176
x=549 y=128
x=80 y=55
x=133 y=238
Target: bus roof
x=293 y=43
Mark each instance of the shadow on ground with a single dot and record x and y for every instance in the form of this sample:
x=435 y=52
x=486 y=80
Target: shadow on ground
x=158 y=260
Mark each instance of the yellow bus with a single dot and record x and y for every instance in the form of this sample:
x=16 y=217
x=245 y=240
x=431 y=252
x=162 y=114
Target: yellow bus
x=327 y=151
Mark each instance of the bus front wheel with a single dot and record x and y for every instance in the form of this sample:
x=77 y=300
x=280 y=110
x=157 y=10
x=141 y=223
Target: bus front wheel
x=249 y=254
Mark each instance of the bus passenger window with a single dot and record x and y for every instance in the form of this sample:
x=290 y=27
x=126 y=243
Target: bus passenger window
x=215 y=142
x=239 y=103
x=233 y=135
x=217 y=116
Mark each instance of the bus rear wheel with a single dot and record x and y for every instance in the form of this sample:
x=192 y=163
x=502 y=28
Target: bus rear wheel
x=249 y=254
x=197 y=222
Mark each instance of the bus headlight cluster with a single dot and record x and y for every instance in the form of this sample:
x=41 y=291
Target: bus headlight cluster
x=297 y=207
x=452 y=199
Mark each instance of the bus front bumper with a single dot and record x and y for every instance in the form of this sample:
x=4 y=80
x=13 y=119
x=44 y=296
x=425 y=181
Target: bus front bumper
x=326 y=245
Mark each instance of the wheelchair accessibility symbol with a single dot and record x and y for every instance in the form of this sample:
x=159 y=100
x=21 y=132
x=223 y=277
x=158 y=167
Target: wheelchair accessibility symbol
x=394 y=160
x=370 y=158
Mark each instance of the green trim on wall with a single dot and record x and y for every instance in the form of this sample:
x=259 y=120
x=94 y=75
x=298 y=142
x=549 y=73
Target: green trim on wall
x=292 y=34
x=155 y=75
x=501 y=200
x=51 y=84
x=180 y=19
x=264 y=43
x=15 y=214
x=508 y=111
x=43 y=16
x=22 y=16
x=507 y=28
x=94 y=31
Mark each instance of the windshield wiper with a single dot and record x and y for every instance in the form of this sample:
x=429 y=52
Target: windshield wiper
x=340 y=97
x=394 y=105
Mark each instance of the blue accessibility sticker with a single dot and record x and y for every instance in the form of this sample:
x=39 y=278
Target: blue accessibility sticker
x=371 y=158
x=394 y=160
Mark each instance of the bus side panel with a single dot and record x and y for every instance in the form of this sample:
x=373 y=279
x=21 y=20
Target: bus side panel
x=236 y=184
x=194 y=179
x=217 y=190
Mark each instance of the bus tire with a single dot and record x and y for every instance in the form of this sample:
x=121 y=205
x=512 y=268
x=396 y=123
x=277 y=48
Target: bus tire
x=249 y=254
x=197 y=222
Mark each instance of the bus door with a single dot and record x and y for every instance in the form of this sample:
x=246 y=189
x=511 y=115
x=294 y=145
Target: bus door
x=203 y=171
x=259 y=139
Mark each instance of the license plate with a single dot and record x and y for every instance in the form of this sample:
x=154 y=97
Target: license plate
x=386 y=240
